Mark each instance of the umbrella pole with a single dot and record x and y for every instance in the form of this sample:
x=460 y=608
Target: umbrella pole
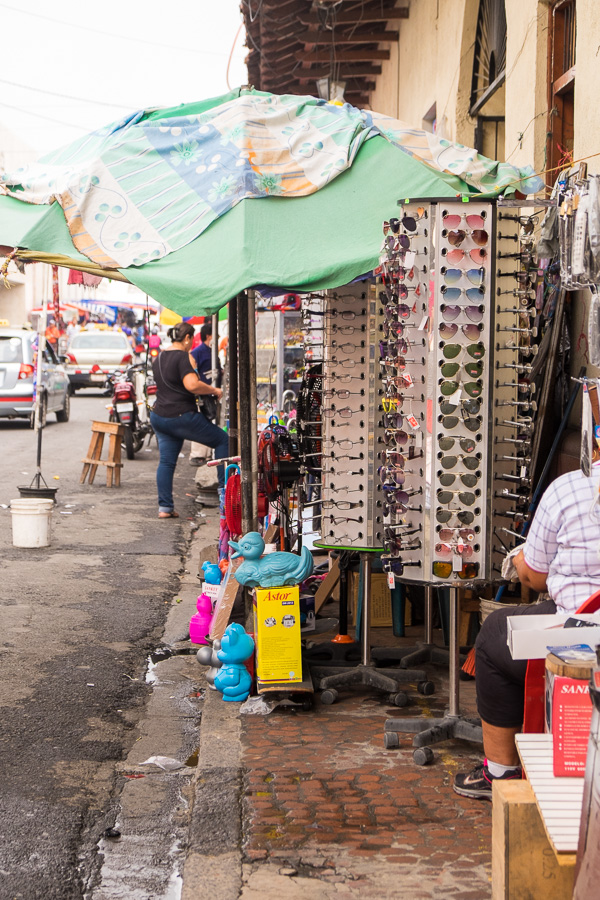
x=248 y=410
x=38 y=379
x=232 y=362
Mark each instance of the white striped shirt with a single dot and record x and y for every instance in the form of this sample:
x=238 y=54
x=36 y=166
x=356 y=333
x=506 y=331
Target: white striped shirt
x=564 y=539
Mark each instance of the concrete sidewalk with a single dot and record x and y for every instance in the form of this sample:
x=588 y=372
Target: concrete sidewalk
x=301 y=805
x=310 y=805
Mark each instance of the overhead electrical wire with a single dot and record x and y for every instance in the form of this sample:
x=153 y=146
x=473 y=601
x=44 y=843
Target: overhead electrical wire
x=123 y=37
x=40 y=116
x=28 y=87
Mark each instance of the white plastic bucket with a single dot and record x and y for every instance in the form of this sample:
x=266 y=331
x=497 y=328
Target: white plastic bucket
x=31 y=522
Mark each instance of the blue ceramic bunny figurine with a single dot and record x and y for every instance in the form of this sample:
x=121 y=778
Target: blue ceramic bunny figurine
x=233 y=679
x=212 y=573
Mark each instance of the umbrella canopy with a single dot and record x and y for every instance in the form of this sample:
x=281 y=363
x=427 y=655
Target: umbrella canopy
x=195 y=203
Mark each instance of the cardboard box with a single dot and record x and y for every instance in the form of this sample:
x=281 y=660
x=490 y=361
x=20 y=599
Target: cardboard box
x=277 y=634
x=529 y=637
x=568 y=718
x=380 y=601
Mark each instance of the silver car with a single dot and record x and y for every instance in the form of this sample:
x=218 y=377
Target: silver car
x=92 y=355
x=16 y=378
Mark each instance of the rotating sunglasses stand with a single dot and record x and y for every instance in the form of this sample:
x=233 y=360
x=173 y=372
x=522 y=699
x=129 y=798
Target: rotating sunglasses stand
x=350 y=507
x=436 y=358
x=484 y=376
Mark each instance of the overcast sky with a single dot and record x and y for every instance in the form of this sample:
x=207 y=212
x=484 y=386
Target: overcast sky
x=110 y=57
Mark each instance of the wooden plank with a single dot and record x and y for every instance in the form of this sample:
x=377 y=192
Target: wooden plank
x=319 y=38
x=327 y=586
x=524 y=864
x=323 y=56
x=377 y=13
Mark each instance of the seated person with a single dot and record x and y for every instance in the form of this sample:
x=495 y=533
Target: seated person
x=560 y=556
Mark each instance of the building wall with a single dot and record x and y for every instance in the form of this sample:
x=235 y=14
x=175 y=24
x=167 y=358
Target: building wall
x=433 y=61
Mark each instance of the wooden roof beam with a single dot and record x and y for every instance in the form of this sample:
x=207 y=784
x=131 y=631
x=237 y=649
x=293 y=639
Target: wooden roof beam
x=346 y=72
x=324 y=56
x=334 y=37
x=358 y=15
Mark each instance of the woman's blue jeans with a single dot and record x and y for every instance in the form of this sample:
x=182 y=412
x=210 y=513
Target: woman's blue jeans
x=171 y=433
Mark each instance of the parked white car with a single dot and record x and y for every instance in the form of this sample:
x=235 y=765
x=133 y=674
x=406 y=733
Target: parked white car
x=92 y=355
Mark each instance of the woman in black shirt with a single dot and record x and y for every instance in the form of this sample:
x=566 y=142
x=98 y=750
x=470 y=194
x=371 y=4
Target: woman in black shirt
x=175 y=417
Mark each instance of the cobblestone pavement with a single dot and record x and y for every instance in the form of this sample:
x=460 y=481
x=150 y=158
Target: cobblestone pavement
x=328 y=812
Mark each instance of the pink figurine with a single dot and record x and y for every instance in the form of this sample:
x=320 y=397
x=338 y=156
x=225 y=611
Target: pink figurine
x=200 y=622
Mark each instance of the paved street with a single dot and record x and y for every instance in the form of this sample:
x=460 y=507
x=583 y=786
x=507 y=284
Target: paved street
x=77 y=623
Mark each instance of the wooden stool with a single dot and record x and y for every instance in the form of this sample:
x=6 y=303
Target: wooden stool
x=113 y=463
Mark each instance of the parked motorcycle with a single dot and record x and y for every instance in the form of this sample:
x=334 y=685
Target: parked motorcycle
x=133 y=395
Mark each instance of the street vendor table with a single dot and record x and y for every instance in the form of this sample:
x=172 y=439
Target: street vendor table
x=559 y=800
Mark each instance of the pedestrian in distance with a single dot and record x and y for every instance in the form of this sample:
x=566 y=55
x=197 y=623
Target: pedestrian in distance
x=175 y=417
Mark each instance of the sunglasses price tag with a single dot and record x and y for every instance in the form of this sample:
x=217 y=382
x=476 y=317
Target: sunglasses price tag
x=457 y=562
x=391 y=581
x=412 y=423
x=424 y=323
x=409 y=259
x=407 y=378
x=523 y=471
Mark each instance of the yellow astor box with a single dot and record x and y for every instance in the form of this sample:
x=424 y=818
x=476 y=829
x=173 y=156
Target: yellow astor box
x=277 y=634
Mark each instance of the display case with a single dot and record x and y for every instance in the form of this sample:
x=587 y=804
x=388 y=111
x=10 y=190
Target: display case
x=427 y=411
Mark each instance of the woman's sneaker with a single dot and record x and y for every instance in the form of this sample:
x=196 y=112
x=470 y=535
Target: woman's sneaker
x=478 y=782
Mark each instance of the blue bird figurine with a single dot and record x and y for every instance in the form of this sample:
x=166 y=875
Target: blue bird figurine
x=212 y=573
x=274 y=569
x=233 y=679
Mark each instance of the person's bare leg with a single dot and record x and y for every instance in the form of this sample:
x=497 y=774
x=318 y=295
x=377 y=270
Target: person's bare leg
x=499 y=744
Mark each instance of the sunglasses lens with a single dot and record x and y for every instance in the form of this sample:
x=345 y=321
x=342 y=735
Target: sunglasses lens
x=470 y=462
x=403 y=310
x=442 y=569
x=453 y=276
x=471 y=332
x=467 y=498
x=473 y=370
x=448 y=387
x=455 y=256
x=451 y=293
x=452 y=221
x=448 y=462
x=476 y=351
x=475 y=221
x=457 y=237
x=453 y=312
x=467 y=445
x=473 y=388
x=480 y=238
x=445 y=496
x=404 y=241
x=474 y=313
x=449 y=370
x=475 y=276
x=448 y=331
x=395 y=225
x=451 y=351
x=472 y=424
x=409 y=223
x=478 y=256
x=469 y=480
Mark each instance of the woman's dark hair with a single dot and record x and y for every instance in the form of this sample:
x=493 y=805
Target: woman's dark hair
x=178 y=332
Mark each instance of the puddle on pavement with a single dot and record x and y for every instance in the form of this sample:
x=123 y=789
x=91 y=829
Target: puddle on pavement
x=193 y=759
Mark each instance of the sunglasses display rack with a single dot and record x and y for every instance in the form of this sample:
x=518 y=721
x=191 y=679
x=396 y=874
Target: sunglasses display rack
x=463 y=357
x=402 y=490
x=345 y=442
x=515 y=407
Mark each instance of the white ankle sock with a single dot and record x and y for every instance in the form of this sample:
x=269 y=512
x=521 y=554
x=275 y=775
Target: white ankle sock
x=497 y=770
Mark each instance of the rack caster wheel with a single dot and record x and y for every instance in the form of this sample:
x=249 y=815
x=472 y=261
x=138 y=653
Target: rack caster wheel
x=399 y=699
x=423 y=756
x=391 y=741
x=426 y=687
x=307 y=705
x=329 y=696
